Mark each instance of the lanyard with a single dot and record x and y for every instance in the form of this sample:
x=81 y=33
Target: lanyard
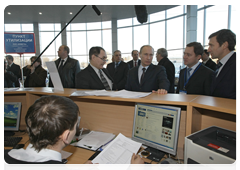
x=186 y=81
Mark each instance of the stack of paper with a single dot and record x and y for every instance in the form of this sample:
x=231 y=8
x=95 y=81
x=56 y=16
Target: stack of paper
x=121 y=93
x=119 y=151
x=95 y=140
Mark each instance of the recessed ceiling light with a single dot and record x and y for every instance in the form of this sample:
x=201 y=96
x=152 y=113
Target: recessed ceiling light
x=40 y=13
x=70 y=13
x=9 y=13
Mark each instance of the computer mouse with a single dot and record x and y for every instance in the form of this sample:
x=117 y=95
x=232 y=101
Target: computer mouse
x=18 y=146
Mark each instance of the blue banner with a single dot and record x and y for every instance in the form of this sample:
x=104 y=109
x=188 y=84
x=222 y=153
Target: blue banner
x=19 y=43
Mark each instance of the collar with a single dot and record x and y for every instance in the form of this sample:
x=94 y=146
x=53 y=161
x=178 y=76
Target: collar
x=206 y=61
x=117 y=63
x=141 y=67
x=10 y=64
x=31 y=155
x=94 y=68
x=195 y=66
x=226 y=58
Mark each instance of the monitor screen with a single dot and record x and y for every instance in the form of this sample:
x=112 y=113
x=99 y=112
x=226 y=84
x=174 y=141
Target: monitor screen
x=157 y=126
x=12 y=111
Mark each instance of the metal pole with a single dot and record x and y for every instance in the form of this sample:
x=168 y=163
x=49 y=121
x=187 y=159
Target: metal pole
x=59 y=34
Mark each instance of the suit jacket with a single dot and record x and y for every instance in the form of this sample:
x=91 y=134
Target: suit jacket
x=225 y=83
x=88 y=79
x=70 y=70
x=9 y=79
x=119 y=74
x=36 y=79
x=211 y=64
x=170 y=70
x=199 y=83
x=130 y=63
x=155 y=78
x=15 y=69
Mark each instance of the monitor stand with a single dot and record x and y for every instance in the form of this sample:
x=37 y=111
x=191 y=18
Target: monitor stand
x=9 y=133
x=155 y=154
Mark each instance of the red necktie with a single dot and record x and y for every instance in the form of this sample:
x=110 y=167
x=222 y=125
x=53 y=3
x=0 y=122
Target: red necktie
x=135 y=64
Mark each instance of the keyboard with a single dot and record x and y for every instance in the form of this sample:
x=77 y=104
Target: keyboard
x=10 y=141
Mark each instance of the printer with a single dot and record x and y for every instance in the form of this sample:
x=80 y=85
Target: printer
x=213 y=145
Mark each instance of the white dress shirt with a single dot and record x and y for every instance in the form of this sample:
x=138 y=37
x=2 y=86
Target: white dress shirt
x=31 y=155
x=224 y=61
x=140 y=71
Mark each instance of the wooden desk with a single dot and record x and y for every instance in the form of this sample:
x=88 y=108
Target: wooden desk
x=115 y=115
x=79 y=155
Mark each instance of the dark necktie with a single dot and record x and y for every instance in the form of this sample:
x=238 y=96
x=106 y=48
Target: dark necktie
x=188 y=72
x=141 y=80
x=135 y=64
x=218 y=67
x=104 y=81
x=60 y=67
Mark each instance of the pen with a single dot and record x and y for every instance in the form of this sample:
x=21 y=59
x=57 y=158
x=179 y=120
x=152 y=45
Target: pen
x=88 y=146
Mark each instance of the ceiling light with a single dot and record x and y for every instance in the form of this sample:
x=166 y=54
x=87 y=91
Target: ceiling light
x=70 y=13
x=9 y=13
x=40 y=13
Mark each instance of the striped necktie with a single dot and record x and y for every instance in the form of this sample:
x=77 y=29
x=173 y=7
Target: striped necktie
x=104 y=81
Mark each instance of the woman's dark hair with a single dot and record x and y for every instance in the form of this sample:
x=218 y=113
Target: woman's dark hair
x=48 y=118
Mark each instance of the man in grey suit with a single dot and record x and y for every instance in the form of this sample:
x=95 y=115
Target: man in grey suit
x=67 y=68
x=94 y=76
x=147 y=77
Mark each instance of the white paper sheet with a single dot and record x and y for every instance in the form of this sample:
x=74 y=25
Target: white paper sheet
x=119 y=151
x=121 y=93
x=94 y=140
x=57 y=84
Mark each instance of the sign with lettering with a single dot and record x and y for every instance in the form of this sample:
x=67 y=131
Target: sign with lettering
x=19 y=43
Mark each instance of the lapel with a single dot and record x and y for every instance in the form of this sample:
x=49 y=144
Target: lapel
x=118 y=67
x=135 y=74
x=148 y=73
x=225 y=70
x=94 y=75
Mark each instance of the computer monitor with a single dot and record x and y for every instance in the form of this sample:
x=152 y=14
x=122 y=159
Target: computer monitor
x=12 y=112
x=157 y=127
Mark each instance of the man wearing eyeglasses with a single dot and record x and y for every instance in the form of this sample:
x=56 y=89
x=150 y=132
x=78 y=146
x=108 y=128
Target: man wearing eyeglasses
x=95 y=76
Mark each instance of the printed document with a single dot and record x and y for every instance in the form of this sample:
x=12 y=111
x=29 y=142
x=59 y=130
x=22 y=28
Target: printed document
x=119 y=151
x=121 y=93
x=95 y=140
x=57 y=84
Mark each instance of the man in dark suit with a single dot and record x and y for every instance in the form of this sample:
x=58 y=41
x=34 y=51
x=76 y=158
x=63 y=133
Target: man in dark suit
x=195 y=78
x=135 y=61
x=94 y=76
x=162 y=58
x=35 y=74
x=118 y=70
x=68 y=68
x=221 y=46
x=147 y=77
x=207 y=61
x=14 y=68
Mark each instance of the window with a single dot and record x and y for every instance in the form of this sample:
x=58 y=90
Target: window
x=83 y=36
